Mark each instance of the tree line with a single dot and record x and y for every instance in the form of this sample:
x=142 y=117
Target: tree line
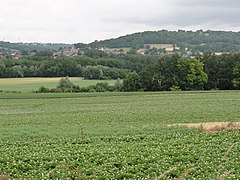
x=204 y=72
x=79 y=66
x=147 y=73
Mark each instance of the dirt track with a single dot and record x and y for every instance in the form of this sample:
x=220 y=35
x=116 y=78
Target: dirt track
x=212 y=126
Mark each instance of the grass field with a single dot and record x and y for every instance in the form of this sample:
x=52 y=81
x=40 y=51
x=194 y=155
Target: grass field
x=33 y=84
x=160 y=46
x=118 y=136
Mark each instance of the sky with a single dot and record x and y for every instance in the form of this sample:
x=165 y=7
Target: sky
x=73 y=21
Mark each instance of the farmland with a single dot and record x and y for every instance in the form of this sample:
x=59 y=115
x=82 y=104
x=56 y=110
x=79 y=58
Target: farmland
x=33 y=84
x=118 y=135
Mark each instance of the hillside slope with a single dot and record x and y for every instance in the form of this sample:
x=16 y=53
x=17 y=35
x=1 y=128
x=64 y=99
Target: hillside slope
x=31 y=46
x=219 y=41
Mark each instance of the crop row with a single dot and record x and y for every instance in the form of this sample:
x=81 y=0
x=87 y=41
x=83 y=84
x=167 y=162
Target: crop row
x=192 y=154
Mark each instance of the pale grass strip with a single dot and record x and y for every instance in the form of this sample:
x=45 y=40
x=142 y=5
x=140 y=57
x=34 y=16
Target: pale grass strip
x=166 y=172
x=185 y=173
x=225 y=158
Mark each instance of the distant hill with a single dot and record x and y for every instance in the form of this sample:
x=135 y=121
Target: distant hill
x=218 y=41
x=31 y=46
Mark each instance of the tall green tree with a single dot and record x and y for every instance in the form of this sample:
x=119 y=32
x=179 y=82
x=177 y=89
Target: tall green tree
x=2 y=69
x=236 y=74
x=93 y=72
x=131 y=82
x=168 y=73
x=220 y=70
x=17 y=71
x=149 y=79
x=192 y=76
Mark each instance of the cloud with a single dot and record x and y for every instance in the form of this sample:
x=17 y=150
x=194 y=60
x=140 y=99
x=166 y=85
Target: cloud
x=207 y=3
x=189 y=13
x=84 y=21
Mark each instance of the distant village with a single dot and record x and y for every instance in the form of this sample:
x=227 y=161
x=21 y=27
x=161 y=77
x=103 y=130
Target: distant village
x=149 y=49
x=16 y=54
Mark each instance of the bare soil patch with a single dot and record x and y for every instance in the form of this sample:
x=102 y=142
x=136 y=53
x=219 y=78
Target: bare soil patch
x=212 y=126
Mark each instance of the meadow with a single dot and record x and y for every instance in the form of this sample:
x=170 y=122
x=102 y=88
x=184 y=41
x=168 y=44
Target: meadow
x=32 y=84
x=160 y=46
x=118 y=136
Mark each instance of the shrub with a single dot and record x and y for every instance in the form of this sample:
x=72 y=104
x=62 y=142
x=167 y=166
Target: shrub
x=43 y=89
x=175 y=88
x=65 y=83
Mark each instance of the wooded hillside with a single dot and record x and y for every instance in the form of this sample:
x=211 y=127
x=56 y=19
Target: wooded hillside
x=218 y=41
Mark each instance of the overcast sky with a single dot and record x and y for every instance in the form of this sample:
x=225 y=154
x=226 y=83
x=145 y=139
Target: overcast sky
x=72 y=21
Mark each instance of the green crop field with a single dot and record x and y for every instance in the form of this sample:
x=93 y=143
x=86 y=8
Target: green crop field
x=33 y=84
x=118 y=136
